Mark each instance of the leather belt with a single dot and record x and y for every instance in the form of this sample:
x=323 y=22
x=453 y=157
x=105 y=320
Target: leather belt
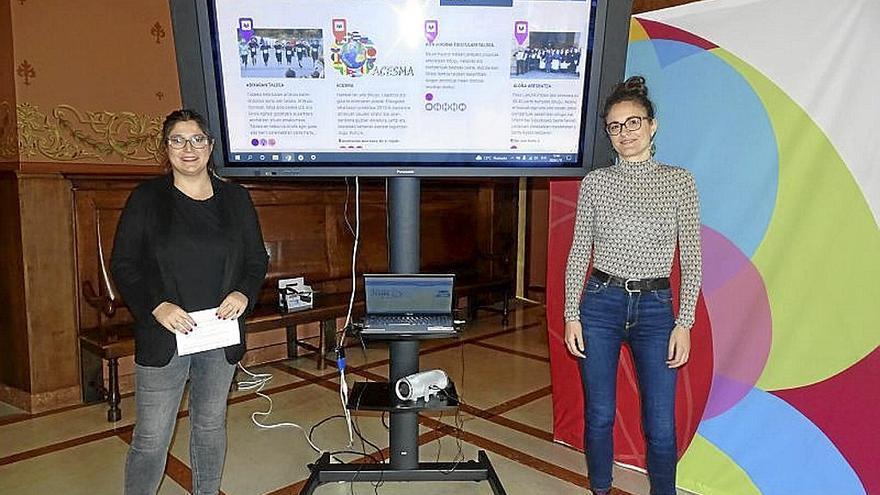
x=632 y=284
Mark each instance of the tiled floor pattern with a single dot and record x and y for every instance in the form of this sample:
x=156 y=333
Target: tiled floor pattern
x=501 y=373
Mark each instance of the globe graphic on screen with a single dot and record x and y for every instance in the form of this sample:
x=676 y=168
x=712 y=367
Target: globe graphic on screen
x=353 y=54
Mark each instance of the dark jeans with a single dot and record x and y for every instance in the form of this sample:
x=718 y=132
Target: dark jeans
x=157 y=394
x=610 y=317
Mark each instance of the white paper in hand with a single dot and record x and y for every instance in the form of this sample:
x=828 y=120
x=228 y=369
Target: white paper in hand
x=209 y=333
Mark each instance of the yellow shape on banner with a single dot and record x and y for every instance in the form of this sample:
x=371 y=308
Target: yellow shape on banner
x=704 y=463
x=820 y=257
x=636 y=31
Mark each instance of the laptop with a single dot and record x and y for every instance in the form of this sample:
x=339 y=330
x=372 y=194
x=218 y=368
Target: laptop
x=408 y=304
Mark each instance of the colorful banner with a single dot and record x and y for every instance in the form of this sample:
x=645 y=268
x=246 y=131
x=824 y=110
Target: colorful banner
x=778 y=126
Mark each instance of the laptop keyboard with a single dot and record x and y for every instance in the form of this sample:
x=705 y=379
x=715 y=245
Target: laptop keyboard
x=410 y=320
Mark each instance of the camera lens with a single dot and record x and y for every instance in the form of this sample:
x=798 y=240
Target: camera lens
x=403 y=389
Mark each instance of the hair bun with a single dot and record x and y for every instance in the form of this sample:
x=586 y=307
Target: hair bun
x=634 y=89
x=635 y=84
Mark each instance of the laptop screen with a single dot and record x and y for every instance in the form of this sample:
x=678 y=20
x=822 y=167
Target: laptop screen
x=409 y=294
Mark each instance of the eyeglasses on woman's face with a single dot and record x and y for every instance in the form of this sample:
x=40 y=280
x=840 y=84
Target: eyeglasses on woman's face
x=633 y=123
x=198 y=142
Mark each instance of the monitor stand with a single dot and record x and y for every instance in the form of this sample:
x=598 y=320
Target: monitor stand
x=404 y=197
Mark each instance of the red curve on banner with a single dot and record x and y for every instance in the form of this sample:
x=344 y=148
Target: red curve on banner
x=844 y=407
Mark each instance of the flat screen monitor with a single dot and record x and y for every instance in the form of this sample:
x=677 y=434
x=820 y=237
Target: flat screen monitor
x=400 y=87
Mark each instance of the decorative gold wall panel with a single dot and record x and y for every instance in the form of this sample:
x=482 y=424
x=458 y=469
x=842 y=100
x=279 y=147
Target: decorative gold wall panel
x=68 y=134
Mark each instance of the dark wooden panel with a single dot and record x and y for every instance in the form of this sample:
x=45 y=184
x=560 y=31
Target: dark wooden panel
x=504 y=204
x=96 y=211
x=14 y=368
x=449 y=229
x=295 y=237
x=468 y=227
x=48 y=248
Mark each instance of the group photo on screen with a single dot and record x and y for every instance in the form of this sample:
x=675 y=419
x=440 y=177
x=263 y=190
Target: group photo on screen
x=547 y=55
x=294 y=53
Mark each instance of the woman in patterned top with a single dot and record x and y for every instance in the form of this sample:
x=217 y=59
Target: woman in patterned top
x=630 y=217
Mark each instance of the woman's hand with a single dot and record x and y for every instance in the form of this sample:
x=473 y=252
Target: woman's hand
x=233 y=306
x=679 y=347
x=574 y=338
x=173 y=318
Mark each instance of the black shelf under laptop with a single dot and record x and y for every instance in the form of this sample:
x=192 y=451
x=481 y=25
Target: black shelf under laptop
x=379 y=396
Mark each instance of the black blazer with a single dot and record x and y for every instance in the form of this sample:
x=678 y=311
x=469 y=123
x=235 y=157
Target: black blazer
x=141 y=261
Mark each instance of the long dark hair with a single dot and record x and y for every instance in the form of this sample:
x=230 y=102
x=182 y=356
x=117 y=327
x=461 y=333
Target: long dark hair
x=633 y=89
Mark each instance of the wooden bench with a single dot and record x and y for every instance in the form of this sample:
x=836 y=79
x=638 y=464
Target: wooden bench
x=467 y=228
x=111 y=342
x=114 y=341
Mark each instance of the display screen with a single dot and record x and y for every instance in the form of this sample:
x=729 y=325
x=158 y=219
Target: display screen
x=406 y=294
x=371 y=83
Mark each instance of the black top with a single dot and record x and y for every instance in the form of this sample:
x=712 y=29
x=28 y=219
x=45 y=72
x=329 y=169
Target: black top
x=196 y=238
x=148 y=268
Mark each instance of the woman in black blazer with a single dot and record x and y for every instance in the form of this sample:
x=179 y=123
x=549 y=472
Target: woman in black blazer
x=186 y=242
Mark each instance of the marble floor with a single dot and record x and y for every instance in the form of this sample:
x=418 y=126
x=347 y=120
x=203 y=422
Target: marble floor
x=501 y=373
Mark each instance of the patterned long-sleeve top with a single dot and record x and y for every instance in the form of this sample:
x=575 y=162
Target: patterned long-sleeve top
x=629 y=218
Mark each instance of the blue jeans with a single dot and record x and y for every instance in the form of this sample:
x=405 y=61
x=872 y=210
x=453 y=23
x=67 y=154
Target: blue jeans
x=157 y=394
x=610 y=317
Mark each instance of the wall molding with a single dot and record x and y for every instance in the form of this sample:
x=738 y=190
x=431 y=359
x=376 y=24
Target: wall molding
x=67 y=134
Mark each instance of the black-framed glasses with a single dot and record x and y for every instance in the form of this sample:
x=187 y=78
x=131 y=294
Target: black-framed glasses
x=198 y=142
x=633 y=123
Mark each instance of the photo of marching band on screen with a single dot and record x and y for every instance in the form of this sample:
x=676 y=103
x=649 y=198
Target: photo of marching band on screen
x=545 y=55
x=291 y=53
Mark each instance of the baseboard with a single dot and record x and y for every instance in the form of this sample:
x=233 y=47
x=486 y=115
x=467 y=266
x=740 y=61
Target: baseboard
x=37 y=403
